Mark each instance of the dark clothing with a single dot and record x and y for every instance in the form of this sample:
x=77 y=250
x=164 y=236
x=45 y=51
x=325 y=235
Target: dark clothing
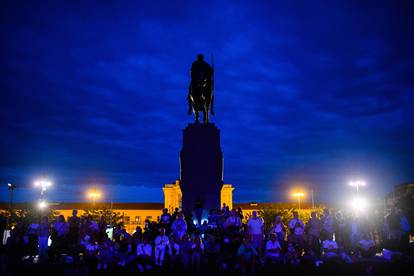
x=200 y=70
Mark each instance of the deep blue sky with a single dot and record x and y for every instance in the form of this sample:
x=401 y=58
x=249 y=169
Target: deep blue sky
x=307 y=93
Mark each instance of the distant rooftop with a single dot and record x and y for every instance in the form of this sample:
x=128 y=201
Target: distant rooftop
x=145 y=205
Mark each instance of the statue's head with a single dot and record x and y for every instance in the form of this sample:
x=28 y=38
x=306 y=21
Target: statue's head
x=200 y=57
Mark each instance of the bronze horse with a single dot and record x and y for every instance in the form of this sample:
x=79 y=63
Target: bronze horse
x=201 y=98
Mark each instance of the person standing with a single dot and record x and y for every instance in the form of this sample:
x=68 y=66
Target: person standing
x=74 y=224
x=255 y=229
x=233 y=222
x=293 y=222
x=279 y=229
x=313 y=227
x=327 y=225
x=44 y=233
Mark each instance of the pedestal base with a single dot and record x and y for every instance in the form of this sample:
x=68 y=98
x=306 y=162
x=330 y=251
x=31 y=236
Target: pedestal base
x=201 y=161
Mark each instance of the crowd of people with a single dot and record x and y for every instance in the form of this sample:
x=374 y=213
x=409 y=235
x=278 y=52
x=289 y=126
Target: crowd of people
x=226 y=241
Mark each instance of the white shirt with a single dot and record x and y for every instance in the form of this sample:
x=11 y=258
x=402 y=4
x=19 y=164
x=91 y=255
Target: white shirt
x=161 y=242
x=272 y=245
x=278 y=228
x=292 y=223
x=329 y=245
x=144 y=249
x=255 y=226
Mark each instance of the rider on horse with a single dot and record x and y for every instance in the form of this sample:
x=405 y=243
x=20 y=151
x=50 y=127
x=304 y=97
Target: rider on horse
x=200 y=70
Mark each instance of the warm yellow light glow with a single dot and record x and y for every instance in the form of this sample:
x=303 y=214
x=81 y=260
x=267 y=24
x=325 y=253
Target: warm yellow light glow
x=94 y=195
x=299 y=194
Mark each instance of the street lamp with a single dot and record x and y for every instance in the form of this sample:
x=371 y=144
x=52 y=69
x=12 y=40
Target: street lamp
x=298 y=196
x=357 y=184
x=42 y=205
x=94 y=195
x=358 y=204
x=43 y=184
x=11 y=188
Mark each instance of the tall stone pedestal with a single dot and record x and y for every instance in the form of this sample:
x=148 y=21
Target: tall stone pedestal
x=201 y=167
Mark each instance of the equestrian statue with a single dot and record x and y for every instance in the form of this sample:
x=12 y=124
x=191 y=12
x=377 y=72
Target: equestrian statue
x=200 y=94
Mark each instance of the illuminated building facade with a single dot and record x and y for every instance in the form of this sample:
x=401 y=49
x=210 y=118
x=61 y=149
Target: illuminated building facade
x=173 y=196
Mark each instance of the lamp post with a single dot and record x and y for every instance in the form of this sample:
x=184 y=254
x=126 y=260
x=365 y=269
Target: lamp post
x=298 y=196
x=11 y=188
x=357 y=184
x=43 y=184
x=313 y=202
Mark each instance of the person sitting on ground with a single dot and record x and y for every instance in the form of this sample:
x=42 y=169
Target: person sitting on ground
x=136 y=238
x=292 y=255
x=92 y=226
x=144 y=255
x=179 y=227
x=124 y=250
x=185 y=251
x=197 y=248
x=272 y=249
x=212 y=248
x=366 y=246
x=106 y=253
x=330 y=249
x=161 y=245
x=247 y=256
x=174 y=252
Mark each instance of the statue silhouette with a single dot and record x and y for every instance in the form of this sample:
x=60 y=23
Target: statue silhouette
x=200 y=94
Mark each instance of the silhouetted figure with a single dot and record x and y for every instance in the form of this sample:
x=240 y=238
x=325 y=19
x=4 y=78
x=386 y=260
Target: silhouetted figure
x=198 y=208
x=200 y=96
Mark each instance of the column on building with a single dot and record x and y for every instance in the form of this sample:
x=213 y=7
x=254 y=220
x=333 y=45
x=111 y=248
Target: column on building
x=172 y=196
x=226 y=196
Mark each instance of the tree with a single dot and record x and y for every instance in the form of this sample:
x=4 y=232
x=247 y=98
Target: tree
x=96 y=214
